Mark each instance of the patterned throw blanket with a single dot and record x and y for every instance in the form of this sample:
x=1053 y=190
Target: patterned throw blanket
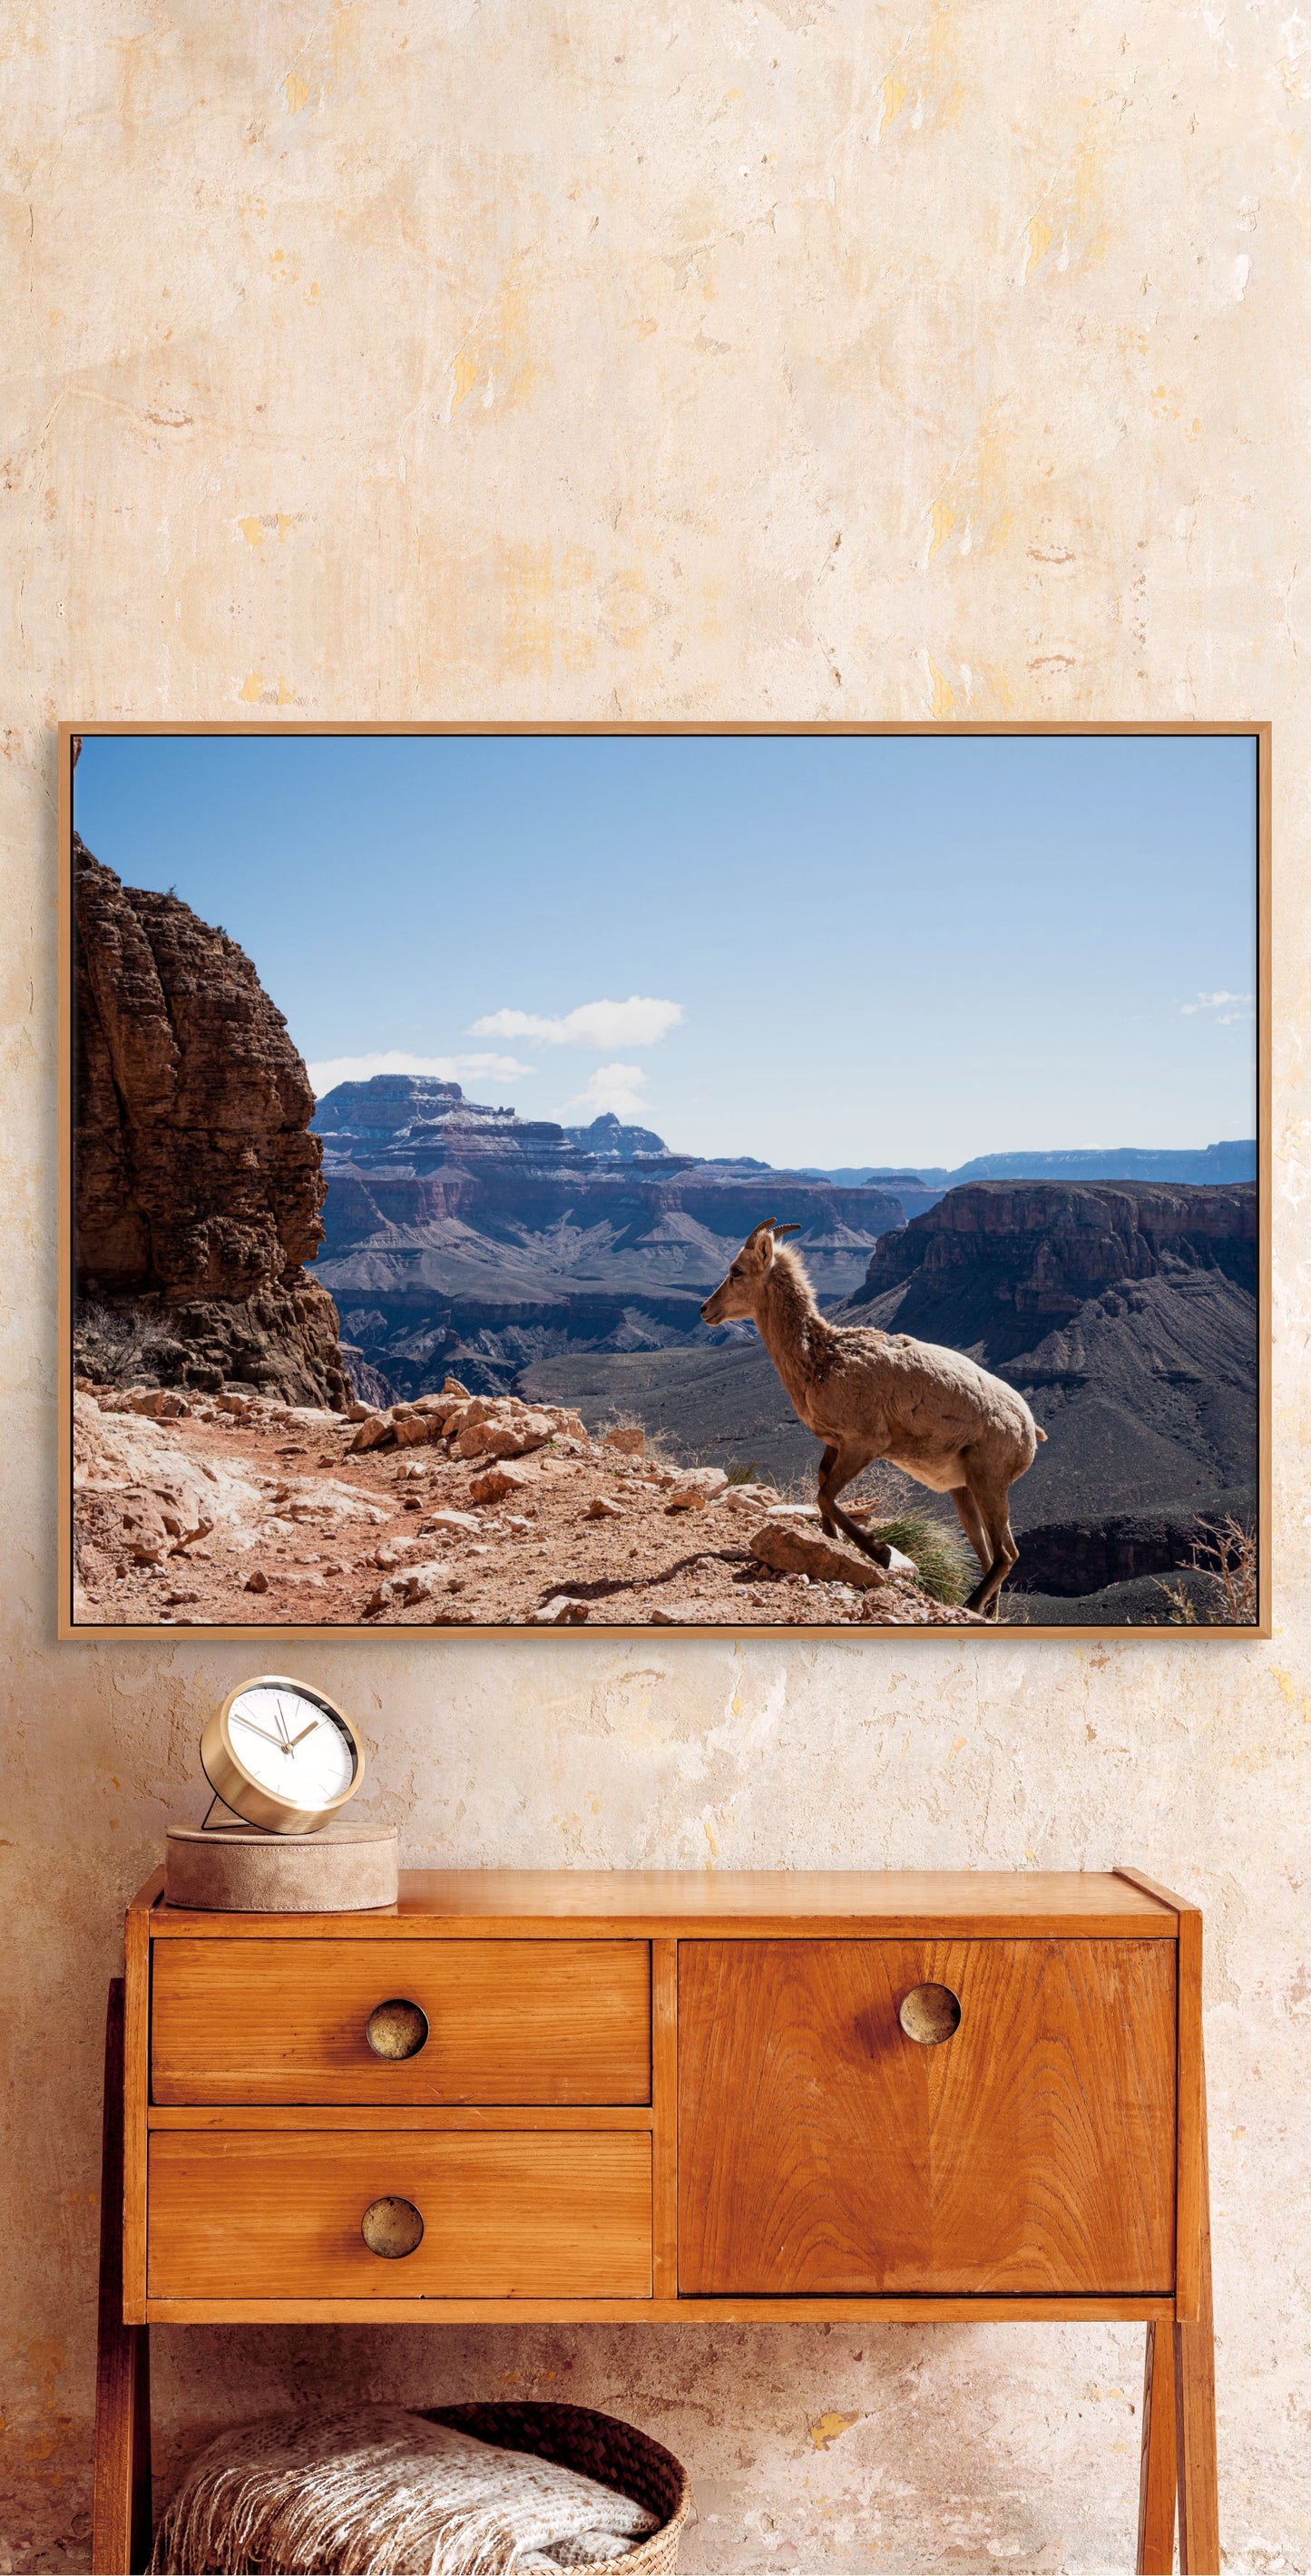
x=379 y=2492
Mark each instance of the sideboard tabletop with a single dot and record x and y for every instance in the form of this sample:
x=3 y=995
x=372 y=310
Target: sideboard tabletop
x=753 y=1904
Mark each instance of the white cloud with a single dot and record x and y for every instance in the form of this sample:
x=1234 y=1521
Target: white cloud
x=448 y=1068
x=1232 y=1007
x=639 y=1021
x=612 y=1086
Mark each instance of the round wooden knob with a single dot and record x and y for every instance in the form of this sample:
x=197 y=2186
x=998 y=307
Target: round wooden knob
x=930 y=2014
x=392 y=2228
x=397 y=2028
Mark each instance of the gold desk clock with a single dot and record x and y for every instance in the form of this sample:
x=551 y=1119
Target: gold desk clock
x=284 y=1760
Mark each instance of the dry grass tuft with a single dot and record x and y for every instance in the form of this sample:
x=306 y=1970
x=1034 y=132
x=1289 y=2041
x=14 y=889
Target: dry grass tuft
x=1225 y=1553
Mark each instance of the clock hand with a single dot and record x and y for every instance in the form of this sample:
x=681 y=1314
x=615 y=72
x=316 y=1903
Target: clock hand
x=282 y=1723
x=275 y=1740
x=305 y=1730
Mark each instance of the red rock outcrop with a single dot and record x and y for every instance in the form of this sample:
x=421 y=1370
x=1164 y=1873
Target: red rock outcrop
x=198 y=1182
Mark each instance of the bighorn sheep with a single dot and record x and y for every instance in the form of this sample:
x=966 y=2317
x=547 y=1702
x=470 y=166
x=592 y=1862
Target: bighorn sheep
x=868 y=1394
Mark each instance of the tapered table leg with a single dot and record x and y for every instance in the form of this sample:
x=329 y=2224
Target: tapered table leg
x=121 y=2503
x=1156 y=2484
x=1194 y=2364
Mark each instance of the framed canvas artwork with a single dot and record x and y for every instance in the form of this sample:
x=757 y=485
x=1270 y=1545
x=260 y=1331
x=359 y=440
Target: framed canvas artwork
x=754 y=1176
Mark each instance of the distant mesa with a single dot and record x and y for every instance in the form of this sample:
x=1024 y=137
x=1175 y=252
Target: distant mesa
x=612 y=1142
x=417 y=1123
x=1218 y=1164
x=462 y=1236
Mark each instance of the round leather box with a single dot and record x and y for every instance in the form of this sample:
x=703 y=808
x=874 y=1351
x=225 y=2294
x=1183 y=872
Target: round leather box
x=236 y=1869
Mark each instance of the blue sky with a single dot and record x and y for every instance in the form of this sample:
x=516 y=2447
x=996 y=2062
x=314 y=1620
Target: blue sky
x=823 y=949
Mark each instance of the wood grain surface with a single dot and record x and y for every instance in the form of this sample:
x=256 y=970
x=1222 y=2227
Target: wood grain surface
x=245 y=2020
x=136 y=2094
x=253 y=2215
x=1194 y=2389
x=654 y=2311
x=122 y=2516
x=492 y=1903
x=820 y=2150
x=1156 y=2476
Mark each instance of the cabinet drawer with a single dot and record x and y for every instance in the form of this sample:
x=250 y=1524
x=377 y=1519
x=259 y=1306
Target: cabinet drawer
x=269 y=2214
x=507 y=2021
x=822 y=2150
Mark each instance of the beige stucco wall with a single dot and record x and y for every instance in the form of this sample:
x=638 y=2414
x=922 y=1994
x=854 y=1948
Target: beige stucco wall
x=405 y=358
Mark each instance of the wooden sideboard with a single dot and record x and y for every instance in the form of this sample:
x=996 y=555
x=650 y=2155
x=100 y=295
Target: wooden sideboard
x=575 y=2096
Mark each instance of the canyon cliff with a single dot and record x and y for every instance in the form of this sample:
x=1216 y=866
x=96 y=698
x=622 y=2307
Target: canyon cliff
x=198 y=1184
x=1126 y=1313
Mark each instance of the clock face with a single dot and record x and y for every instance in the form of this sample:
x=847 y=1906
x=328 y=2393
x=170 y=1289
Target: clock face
x=292 y=1743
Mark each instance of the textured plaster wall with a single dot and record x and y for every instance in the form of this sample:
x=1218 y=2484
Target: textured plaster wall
x=383 y=358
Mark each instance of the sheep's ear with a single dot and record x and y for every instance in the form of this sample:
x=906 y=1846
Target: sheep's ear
x=759 y=1246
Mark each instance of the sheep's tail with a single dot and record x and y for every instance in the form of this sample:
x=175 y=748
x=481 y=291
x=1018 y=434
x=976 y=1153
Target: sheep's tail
x=1038 y=1432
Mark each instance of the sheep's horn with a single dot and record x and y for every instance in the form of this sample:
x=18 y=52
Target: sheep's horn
x=785 y=1229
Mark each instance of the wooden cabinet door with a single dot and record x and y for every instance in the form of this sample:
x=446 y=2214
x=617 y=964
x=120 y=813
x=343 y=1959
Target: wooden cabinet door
x=821 y=2150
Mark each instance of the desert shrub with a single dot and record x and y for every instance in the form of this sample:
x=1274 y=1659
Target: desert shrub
x=1225 y=1552
x=749 y=1475
x=119 y=1346
x=943 y=1562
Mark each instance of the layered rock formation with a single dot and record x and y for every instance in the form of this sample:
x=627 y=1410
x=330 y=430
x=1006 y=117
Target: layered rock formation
x=461 y=1235
x=1125 y=1313
x=198 y=1185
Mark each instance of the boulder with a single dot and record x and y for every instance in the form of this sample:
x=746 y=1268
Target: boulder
x=373 y=1432
x=450 y=1522
x=414 y=1431
x=789 y=1546
x=627 y=1437
x=515 y=1439
x=258 y=1581
x=694 y=1488
x=561 y=1611
x=142 y=1525
x=601 y=1508
x=402 y=1591
x=393 y=1552
x=496 y=1482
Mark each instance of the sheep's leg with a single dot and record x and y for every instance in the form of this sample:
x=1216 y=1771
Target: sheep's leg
x=990 y=1495
x=837 y=1468
x=826 y=1466
x=971 y=1521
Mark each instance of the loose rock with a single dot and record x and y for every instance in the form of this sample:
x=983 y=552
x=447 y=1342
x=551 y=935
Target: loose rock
x=628 y=1437
x=696 y=1487
x=496 y=1482
x=790 y=1547
x=373 y=1431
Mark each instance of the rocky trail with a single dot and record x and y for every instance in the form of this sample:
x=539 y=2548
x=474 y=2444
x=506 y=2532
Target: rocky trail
x=452 y=1511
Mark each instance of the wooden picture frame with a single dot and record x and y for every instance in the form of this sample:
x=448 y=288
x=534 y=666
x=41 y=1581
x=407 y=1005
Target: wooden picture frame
x=597 y=1600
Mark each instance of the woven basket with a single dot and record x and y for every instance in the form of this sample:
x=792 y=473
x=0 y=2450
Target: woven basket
x=601 y=2447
